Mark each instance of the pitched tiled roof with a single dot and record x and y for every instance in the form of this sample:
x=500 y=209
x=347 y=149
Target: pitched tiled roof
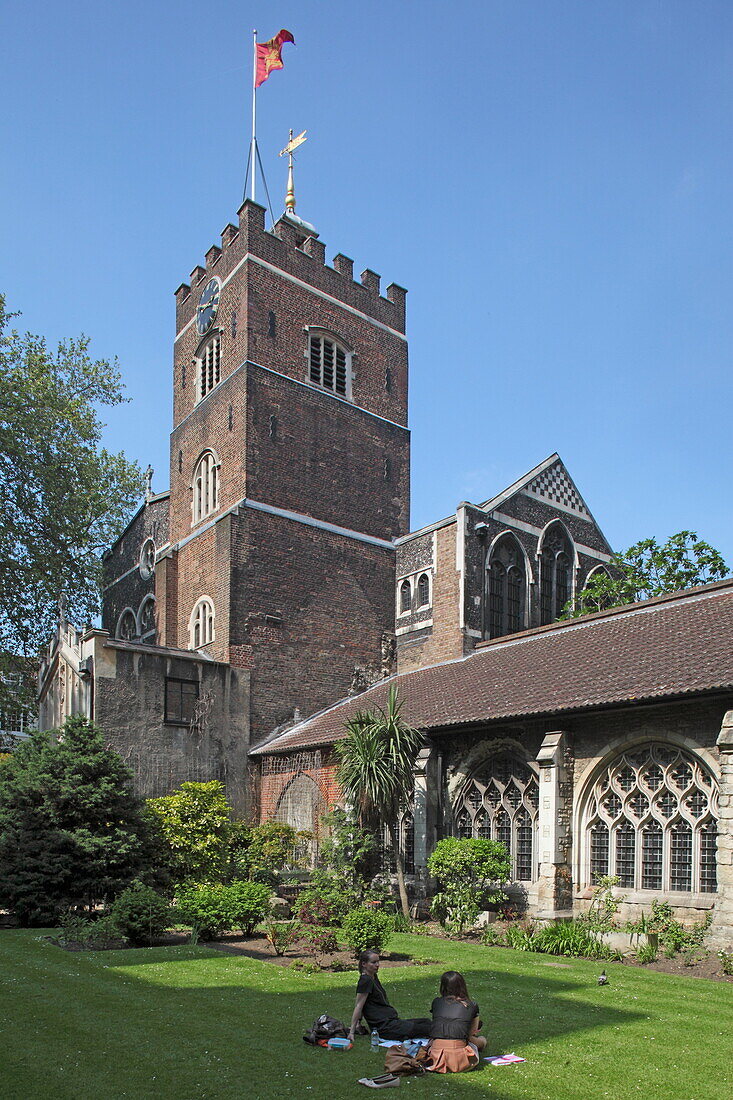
x=671 y=646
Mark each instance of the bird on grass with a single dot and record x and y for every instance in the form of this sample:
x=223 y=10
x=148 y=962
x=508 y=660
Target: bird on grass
x=603 y=980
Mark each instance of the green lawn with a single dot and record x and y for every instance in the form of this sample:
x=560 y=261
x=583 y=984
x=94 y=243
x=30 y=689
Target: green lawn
x=191 y=1022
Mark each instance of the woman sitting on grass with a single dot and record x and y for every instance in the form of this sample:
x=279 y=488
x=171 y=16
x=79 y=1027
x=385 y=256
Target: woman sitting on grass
x=454 y=1035
x=372 y=1004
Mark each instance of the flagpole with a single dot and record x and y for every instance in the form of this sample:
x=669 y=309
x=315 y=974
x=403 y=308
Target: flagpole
x=254 y=110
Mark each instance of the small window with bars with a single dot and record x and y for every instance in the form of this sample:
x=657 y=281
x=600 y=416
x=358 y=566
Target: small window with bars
x=181 y=697
x=329 y=365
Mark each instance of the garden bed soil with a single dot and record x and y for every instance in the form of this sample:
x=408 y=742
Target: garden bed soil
x=300 y=953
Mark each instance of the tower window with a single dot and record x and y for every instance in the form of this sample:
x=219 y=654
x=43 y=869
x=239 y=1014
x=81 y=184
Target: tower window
x=423 y=590
x=505 y=588
x=201 y=627
x=405 y=597
x=328 y=364
x=205 y=487
x=210 y=366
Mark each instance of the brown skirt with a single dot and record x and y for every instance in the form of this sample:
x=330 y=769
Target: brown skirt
x=451 y=1056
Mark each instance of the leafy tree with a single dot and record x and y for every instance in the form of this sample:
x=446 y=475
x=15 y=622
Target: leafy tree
x=72 y=832
x=470 y=873
x=376 y=760
x=196 y=824
x=65 y=498
x=647 y=569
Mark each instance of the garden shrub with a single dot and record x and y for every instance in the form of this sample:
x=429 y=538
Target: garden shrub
x=75 y=929
x=328 y=899
x=321 y=942
x=367 y=929
x=603 y=906
x=571 y=938
x=470 y=873
x=282 y=934
x=316 y=910
x=249 y=904
x=647 y=953
x=493 y=936
x=519 y=938
x=271 y=847
x=140 y=913
x=673 y=937
x=195 y=821
x=726 y=961
x=206 y=908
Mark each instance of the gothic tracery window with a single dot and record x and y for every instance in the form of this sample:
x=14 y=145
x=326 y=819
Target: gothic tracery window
x=126 y=625
x=651 y=819
x=556 y=558
x=506 y=582
x=500 y=802
x=205 y=487
x=405 y=597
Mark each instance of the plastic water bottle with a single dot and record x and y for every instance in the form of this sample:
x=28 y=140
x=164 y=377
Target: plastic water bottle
x=375 y=1039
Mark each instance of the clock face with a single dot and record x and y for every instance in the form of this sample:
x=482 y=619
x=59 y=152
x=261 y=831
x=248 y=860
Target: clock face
x=208 y=305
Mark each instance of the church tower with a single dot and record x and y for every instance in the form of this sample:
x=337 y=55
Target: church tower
x=289 y=474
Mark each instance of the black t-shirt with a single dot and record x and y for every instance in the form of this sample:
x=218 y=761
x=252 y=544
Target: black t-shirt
x=377 y=1009
x=452 y=1018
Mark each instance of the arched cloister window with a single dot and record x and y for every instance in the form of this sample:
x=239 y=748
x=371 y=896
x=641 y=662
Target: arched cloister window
x=506 y=583
x=500 y=802
x=127 y=625
x=205 y=486
x=556 y=558
x=405 y=596
x=146 y=619
x=201 y=626
x=651 y=819
x=406 y=840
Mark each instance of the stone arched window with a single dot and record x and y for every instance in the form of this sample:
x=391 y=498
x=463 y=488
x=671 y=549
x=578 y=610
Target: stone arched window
x=127 y=625
x=301 y=805
x=500 y=802
x=506 y=583
x=201 y=626
x=556 y=563
x=423 y=590
x=651 y=819
x=205 y=487
x=405 y=597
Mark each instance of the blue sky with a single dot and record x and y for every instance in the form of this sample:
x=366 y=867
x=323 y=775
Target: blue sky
x=550 y=179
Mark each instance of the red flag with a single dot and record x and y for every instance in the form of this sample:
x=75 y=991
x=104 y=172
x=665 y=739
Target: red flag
x=269 y=56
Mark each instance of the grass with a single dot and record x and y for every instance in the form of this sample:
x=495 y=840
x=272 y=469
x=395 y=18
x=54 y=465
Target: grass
x=190 y=1023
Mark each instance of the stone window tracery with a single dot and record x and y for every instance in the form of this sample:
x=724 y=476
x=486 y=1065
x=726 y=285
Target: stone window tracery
x=126 y=625
x=205 y=487
x=506 y=582
x=146 y=619
x=405 y=597
x=555 y=556
x=500 y=802
x=651 y=819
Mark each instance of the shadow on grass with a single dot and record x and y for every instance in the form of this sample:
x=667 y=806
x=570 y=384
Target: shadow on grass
x=192 y=1022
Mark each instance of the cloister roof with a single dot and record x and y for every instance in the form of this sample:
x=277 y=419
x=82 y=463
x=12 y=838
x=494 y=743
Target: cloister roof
x=673 y=646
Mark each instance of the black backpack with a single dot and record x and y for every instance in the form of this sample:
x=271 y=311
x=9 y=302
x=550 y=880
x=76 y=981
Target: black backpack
x=325 y=1027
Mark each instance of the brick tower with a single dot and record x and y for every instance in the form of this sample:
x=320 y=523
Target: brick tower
x=289 y=466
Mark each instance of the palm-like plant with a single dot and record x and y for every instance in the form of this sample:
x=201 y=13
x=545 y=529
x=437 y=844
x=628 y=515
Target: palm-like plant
x=376 y=768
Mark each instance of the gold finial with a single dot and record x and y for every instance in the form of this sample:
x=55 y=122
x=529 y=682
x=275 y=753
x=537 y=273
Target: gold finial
x=289 y=149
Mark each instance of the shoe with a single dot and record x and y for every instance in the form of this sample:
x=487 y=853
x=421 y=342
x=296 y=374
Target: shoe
x=386 y=1081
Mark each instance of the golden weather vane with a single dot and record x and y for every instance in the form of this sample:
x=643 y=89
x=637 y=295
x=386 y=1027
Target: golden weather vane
x=289 y=150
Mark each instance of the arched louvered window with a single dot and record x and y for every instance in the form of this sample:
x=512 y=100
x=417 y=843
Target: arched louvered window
x=209 y=365
x=205 y=487
x=201 y=628
x=556 y=556
x=651 y=819
x=405 y=596
x=506 y=583
x=500 y=802
x=329 y=364
x=146 y=619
